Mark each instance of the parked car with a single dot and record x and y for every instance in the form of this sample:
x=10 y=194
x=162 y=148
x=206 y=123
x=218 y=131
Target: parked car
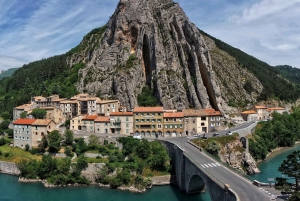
x=197 y=135
x=215 y=134
x=229 y=133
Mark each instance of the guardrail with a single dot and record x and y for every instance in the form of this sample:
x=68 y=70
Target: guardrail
x=240 y=173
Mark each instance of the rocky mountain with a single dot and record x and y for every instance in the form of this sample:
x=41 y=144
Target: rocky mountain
x=151 y=44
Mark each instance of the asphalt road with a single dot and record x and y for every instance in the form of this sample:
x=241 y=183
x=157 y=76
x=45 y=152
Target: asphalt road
x=244 y=188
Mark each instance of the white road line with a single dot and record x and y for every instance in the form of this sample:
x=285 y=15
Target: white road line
x=210 y=165
x=206 y=165
x=203 y=166
x=218 y=164
x=214 y=164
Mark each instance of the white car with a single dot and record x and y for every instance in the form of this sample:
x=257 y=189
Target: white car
x=137 y=137
x=197 y=135
x=229 y=133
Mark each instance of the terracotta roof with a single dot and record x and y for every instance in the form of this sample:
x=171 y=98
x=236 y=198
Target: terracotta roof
x=42 y=122
x=68 y=101
x=90 y=117
x=148 y=109
x=23 y=106
x=212 y=112
x=276 y=108
x=121 y=114
x=106 y=101
x=24 y=121
x=58 y=100
x=102 y=119
x=260 y=107
x=249 y=112
x=194 y=113
x=173 y=115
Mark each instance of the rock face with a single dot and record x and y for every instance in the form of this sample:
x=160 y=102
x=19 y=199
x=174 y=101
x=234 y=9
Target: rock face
x=153 y=43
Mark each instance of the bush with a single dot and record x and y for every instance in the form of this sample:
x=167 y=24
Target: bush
x=2 y=141
x=6 y=154
x=0 y=153
x=27 y=147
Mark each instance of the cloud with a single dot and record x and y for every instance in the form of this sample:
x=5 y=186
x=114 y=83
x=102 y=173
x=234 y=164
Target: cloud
x=263 y=9
x=7 y=62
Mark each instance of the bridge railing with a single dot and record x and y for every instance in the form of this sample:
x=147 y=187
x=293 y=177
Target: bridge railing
x=242 y=174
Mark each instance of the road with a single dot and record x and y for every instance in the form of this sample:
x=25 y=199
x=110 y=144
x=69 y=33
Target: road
x=244 y=188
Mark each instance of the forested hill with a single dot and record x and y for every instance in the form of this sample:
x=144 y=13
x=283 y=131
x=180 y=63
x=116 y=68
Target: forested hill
x=289 y=72
x=275 y=86
x=45 y=77
x=7 y=73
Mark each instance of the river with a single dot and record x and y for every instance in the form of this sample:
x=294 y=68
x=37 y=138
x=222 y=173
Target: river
x=12 y=190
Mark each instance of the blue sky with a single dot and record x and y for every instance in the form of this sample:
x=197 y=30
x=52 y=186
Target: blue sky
x=31 y=30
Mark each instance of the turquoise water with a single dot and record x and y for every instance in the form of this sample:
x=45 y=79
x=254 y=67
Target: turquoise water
x=12 y=190
x=269 y=167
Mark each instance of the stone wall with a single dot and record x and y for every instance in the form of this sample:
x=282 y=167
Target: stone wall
x=9 y=168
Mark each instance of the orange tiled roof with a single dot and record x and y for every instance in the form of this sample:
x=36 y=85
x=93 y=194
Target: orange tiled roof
x=106 y=101
x=42 y=122
x=148 y=109
x=23 y=106
x=212 y=112
x=102 y=119
x=68 y=101
x=260 y=107
x=173 y=115
x=121 y=114
x=194 y=113
x=90 y=117
x=276 y=108
x=249 y=112
x=24 y=121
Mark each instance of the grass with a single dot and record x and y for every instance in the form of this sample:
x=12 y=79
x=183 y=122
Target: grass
x=222 y=140
x=97 y=160
x=16 y=154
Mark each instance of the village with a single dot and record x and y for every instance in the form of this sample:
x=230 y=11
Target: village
x=87 y=113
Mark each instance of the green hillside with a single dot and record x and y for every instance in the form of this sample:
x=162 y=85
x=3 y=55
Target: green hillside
x=8 y=73
x=289 y=72
x=275 y=86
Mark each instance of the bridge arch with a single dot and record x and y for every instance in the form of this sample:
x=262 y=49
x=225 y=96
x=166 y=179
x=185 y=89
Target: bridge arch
x=196 y=184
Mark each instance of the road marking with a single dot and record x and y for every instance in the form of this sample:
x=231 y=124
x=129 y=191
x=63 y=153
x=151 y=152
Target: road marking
x=214 y=164
x=218 y=164
x=203 y=166
x=206 y=165
x=209 y=165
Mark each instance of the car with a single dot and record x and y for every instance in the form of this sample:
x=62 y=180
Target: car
x=137 y=137
x=197 y=135
x=229 y=133
x=215 y=134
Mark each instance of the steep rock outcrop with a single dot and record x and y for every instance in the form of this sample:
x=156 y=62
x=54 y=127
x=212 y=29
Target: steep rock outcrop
x=150 y=43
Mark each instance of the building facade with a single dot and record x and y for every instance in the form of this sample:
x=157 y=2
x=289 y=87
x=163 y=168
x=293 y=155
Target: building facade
x=102 y=124
x=22 y=132
x=40 y=128
x=173 y=124
x=148 y=121
x=121 y=123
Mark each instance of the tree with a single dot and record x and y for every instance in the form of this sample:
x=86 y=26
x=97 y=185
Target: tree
x=54 y=140
x=94 y=142
x=23 y=115
x=81 y=146
x=213 y=148
x=43 y=144
x=38 y=113
x=10 y=132
x=295 y=196
x=4 y=125
x=5 y=115
x=291 y=168
x=69 y=137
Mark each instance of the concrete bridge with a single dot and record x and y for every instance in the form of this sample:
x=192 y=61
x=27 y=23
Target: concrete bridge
x=195 y=171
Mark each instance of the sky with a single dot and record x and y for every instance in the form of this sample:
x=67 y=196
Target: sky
x=31 y=30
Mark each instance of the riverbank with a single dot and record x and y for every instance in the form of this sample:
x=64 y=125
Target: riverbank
x=277 y=151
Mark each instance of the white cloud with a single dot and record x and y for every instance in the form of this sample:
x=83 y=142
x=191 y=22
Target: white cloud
x=7 y=62
x=263 y=9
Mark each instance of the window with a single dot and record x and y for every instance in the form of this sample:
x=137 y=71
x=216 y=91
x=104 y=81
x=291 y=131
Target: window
x=166 y=126
x=175 y=126
x=202 y=124
x=153 y=126
x=167 y=120
x=180 y=126
x=174 y=120
x=137 y=120
x=193 y=121
x=159 y=114
x=148 y=120
x=36 y=133
x=137 y=126
x=153 y=120
x=158 y=120
x=159 y=126
x=171 y=126
x=148 y=114
x=127 y=130
x=127 y=119
x=213 y=125
x=136 y=114
x=203 y=118
x=127 y=125
x=27 y=138
x=16 y=137
x=142 y=120
x=106 y=124
x=212 y=119
x=218 y=118
x=218 y=124
x=98 y=129
x=42 y=134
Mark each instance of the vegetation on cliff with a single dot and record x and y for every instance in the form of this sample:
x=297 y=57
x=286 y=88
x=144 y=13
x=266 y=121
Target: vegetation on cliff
x=282 y=131
x=275 y=86
x=289 y=72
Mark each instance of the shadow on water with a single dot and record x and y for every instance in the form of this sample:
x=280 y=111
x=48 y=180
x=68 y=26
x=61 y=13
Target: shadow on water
x=193 y=197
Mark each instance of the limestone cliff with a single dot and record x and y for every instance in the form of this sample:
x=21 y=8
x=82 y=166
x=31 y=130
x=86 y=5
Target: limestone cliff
x=153 y=43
